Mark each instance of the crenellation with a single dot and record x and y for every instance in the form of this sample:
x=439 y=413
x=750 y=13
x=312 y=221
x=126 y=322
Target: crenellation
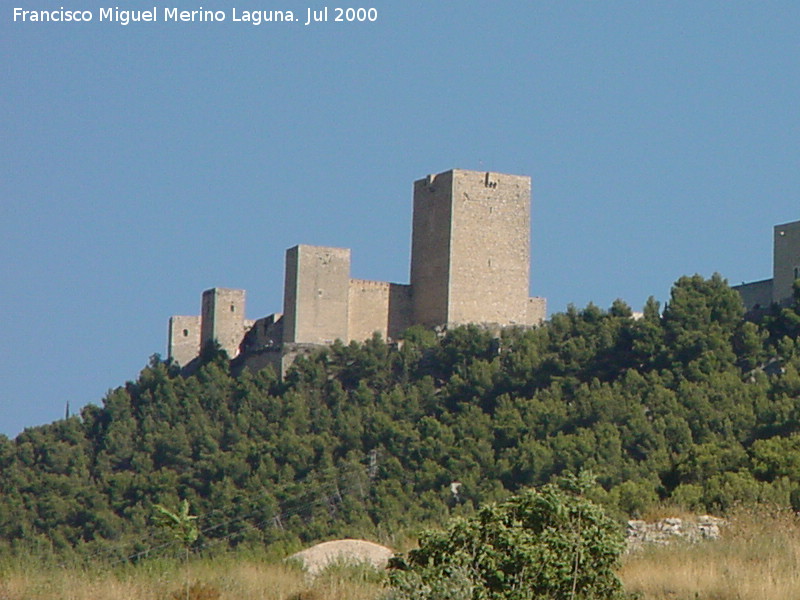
x=368 y=283
x=470 y=263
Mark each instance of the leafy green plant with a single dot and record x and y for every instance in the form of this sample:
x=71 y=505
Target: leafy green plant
x=550 y=543
x=181 y=524
x=183 y=527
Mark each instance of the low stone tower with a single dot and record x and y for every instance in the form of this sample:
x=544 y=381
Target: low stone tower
x=315 y=295
x=223 y=319
x=184 y=338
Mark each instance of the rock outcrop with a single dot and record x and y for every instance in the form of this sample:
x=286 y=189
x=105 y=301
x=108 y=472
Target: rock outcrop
x=666 y=531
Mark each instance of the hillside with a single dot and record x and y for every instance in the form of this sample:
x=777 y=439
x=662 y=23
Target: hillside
x=693 y=405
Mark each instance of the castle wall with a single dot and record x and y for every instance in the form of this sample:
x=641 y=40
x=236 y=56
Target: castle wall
x=184 y=339
x=786 y=261
x=430 y=249
x=400 y=309
x=755 y=295
x=490 y=249
x=378 y=306
x=265 y=333
x=316 y=295
x=223 y=319
x=368 y=310
x=470 y=263
x=537 y=310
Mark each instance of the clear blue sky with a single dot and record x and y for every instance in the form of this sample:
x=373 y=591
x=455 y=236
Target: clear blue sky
x=144 y=164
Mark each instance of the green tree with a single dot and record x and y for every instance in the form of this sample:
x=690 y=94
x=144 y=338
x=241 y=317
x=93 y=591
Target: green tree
x=551 y=543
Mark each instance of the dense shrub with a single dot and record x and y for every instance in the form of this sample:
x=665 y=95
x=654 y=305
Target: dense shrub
x=549 y=544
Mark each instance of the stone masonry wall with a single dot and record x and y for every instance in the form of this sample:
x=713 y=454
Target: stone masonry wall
x=757 y=294
x=223 y=319
x=184 y=338
x=377 y=306
x=537 y=310
x=368 y=310
x=400 y=307
x=490 y=249
x=786 y=260
x=430 y=248
x=264 y=333
x=316 y=295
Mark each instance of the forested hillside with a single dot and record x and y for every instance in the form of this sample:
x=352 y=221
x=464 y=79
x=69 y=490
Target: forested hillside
x=692 y=405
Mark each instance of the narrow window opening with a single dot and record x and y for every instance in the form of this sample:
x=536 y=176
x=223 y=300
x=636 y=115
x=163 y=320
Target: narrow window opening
x=233 y=308
x=185 y=333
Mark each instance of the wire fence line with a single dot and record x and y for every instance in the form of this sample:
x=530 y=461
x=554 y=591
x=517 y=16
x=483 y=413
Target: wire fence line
x=350 y=482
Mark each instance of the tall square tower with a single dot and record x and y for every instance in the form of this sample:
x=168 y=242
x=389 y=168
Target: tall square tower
x=470 y=249
x=786 y=261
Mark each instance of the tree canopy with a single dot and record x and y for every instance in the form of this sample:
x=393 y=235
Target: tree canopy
x=693 y=405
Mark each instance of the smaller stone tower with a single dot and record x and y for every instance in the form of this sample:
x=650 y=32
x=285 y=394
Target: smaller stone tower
x=184 y=338
x=223 y=319
x=316 y=293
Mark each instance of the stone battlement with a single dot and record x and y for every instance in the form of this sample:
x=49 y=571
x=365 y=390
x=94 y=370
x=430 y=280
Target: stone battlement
x=470 y=263
x=369 y=283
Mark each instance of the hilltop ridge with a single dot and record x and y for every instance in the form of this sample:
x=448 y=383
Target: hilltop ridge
x=693 y=405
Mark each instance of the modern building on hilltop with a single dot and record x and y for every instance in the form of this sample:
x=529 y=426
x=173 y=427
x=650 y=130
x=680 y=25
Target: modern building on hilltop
x=760 y=295
x=470 y=263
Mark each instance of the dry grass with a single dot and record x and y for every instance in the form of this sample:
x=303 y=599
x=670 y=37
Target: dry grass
x=757 y=559
x=656 y=512
x=233 y=579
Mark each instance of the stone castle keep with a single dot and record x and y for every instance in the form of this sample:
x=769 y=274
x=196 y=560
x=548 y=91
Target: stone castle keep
x=470 y=263
x=759 y=295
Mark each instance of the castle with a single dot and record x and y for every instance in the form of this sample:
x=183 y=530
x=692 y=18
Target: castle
x=759 y=295
x=470 y=263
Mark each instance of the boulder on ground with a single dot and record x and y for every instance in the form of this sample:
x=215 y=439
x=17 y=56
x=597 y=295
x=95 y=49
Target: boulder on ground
x=316 y=558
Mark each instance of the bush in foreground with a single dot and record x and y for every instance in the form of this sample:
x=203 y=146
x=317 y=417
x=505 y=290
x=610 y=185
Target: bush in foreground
x=551 y=543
